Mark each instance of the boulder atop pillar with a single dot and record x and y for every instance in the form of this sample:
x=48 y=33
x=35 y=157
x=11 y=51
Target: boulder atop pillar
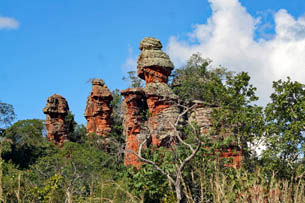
x=153 y=64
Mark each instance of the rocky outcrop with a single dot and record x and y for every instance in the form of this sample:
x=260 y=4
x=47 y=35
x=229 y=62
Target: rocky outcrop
x=163 y=112
x=98 y=110
x=201 y=114
x=56 y=111
x=154 y=66
x=151 y=113
x=134 y=113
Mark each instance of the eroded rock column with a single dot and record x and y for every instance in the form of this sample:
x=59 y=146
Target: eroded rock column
x=154 y=66
x=133 y=111
x=56 y=111
x=98 y=110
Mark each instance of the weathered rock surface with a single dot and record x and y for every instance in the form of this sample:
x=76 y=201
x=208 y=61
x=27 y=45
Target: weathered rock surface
x=135 y=131
x=98 y=110
x=56 y=111
x=153 y=64
x=160 y=104
x=163 y=112
x=201 y=114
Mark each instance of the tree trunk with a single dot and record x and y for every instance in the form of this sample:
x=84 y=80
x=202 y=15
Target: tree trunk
x=178 y=190
x=69 y=196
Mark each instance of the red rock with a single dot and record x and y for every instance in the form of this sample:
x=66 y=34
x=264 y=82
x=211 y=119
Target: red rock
x=158 y=99
x=56 y=111
x=133 y=119
x=154 y=66
x=163 y=112
x=98 y=110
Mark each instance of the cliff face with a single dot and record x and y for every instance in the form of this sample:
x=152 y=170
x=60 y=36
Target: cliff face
x=56 y=111
x=163 y=112
x=133 y=111
x=98 y=110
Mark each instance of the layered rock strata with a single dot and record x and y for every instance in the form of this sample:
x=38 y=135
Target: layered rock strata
x=201 y=114
x=154 y=66
x=56 y=111
x=151 y=113
x=134 y=113
x=163 y=113
x=98 y=109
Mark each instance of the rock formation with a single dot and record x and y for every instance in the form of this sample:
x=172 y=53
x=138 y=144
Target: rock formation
x=163 y=112
x=56 y=111
x=150 y=113
x=98 y=110
x=133 y=110
x=201 y=114
x=154 y=66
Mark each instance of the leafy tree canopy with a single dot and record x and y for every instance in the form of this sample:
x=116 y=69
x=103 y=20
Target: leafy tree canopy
x=7 y=114
x=285 y=117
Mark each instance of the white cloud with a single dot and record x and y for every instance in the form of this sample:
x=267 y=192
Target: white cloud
x=228 y=38
x=8 y=23
x=131 y=62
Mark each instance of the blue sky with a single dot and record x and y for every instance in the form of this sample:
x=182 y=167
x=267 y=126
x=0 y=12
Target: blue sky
x=56 y=46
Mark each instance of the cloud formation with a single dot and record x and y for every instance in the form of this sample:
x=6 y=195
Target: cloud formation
x=131 y=62
x=8 y=23
x=228 y=38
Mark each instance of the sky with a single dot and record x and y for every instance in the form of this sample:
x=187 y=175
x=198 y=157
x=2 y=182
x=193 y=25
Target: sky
x=57 y=46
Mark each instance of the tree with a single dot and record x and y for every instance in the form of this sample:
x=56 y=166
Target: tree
x=7 y=114
x=171 y=162
x=285 y=116
x=231 y=94
x=236 y=123
x=28 y=142
x=242 y=120
x=133 y=80
x=198 y=81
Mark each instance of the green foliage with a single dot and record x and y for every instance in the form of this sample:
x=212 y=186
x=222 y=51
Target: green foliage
x=196 y=81
x=70 y=124
x=79 y=135
x=76 y=169
x=27 y=142
x=90 y=168
x=147 y=181
x=116 y=104
x=7 y=114
x=116 y=128
x=242 y=120
x=51 y=189
x=285 y=133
